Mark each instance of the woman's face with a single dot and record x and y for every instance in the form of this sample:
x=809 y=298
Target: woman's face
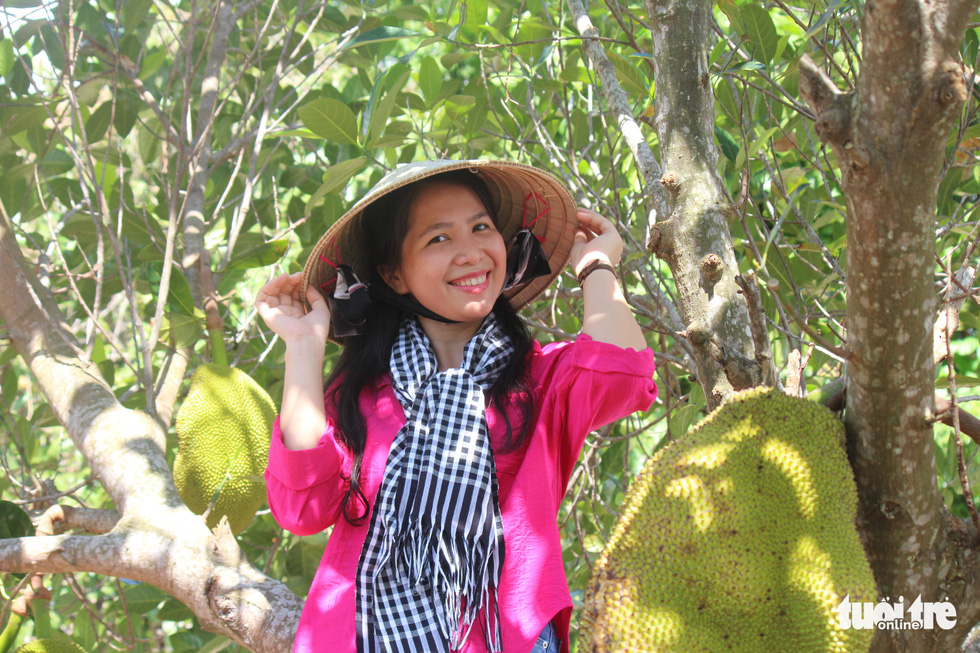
x=453 y=258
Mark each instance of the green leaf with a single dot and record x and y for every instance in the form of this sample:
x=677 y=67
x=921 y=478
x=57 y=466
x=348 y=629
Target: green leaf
x=133 y=12
x=218 y=643
x=174 y=610
x=265 y=254
x=303 y=558
x=125 y=116
x=26 y=118
x=143 y=598
x=301 y=133
x=382 y=34
x=731 y=10
x=6 y=56
x=682 y=418
x=330 y=119
x=388 y=94
x=430 y=80
x=728 y=145
x=760 y=31
x=19 y=79
x=334 y=178
x=457 y=105
x=629 y=76
x=98 y=123
x=961 y=382
x=824 y=17
x=14 y=522
x=181 y=330
x=180 y=298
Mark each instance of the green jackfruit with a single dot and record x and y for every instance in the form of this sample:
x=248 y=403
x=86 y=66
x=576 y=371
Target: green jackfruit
x=738 y=537
x=223 y=431
x=50 y=646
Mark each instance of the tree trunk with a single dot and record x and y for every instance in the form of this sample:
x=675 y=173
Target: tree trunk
x=888 y=138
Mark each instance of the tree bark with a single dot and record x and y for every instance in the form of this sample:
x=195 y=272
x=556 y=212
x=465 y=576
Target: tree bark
x=888 y=137
x=695 y=241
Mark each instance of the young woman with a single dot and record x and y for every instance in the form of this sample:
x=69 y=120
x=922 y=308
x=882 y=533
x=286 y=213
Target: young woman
x=444 y=442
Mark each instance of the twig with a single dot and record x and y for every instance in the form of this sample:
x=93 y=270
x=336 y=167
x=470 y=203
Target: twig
x=748 y=282
x=954 y=410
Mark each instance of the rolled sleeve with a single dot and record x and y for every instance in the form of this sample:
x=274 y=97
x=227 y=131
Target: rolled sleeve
x=591 y=384
x=306 y=487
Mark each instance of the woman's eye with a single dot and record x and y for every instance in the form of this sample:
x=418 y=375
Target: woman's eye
x=483 y=226
x=437 y=239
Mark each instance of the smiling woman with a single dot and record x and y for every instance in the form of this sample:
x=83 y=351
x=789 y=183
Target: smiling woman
x=427 y=500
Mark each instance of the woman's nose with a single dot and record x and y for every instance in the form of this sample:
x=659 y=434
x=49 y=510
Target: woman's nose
x=468 y=250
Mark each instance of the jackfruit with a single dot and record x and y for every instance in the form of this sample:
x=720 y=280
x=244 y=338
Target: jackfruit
x=223 y=430
x=50 y=646
x=739 y=536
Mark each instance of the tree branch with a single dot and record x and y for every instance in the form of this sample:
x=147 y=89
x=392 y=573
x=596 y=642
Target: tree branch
x=618 y=102
x=695 y=241
x=949 y=316
x=201 y=150
x=831 y=105
x=760 y=334
x=206 y=572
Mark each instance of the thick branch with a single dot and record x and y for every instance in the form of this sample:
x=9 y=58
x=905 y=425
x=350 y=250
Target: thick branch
x=695 y=241
x=969 y=425
x=831 y=105
x=201 y=154
x=57 y=519
x=204 y=571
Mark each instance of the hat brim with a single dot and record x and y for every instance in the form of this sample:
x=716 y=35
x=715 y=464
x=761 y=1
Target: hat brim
x=524 y=195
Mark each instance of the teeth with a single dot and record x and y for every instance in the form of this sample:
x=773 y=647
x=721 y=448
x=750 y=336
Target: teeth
x=474 y=281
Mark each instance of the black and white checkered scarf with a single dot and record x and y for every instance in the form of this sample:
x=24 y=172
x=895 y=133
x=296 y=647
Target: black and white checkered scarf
x=434 y=551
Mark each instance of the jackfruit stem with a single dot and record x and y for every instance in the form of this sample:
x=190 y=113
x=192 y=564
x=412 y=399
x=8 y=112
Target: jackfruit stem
x=9 y=633
x=218 y=354
x=42 y=619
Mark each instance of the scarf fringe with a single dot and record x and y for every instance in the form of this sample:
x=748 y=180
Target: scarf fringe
x=422 y=552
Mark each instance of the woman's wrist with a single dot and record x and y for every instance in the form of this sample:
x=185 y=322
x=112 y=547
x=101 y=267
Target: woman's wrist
x=308 y=345
x=601 y=257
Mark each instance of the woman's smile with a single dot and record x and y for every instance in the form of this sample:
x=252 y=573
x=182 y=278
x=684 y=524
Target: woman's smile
x=473 y=283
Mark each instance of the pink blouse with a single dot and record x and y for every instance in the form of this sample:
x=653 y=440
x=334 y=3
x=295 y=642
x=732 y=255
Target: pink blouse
x=580 y=386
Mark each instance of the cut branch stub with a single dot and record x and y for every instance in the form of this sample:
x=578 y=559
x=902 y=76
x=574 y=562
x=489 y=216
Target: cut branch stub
x=662 y=240
x=831 y=106
x=711 y=268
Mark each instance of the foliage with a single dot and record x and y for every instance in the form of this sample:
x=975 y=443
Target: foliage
x=110 y=131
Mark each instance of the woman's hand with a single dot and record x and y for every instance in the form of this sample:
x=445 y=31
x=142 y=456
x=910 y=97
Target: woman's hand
x=281 y=308
x=597 y=239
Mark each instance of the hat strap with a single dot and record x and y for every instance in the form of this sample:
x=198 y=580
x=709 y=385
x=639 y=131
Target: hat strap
x=384 y=293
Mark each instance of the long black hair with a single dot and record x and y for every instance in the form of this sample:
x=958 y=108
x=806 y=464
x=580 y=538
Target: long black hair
x=378 y=235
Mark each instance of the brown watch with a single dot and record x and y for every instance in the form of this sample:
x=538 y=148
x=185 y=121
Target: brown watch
x=592 y=267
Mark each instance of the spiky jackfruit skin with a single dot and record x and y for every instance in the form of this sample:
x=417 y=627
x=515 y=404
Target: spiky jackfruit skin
x=223 y=430
x=50 y=646
x=738 y=537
